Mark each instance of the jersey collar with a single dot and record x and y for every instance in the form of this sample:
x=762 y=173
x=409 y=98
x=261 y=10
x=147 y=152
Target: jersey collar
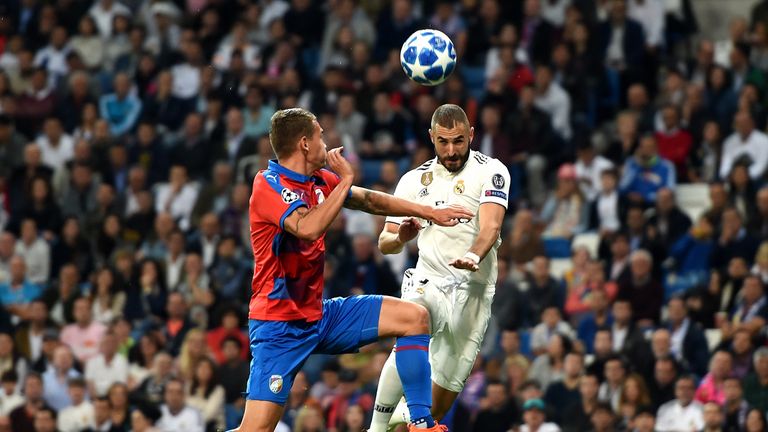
x=283 y=171
x=441 y=170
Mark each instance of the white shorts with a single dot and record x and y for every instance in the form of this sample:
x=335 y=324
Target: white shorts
x=459 y=317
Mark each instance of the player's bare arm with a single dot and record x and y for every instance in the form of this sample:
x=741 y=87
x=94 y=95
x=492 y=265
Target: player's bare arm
x=491 y=217
x=310 y=224
x=395 y=236
x=380 y=203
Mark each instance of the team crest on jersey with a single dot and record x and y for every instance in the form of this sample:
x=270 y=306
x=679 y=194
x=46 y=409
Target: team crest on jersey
x=289 y=196
x=458 y=189
x=276 y=383
x=426 y=178
x=424 y=192
x=498 y=181
x=320 y=196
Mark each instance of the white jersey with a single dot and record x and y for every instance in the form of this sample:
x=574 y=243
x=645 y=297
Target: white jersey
x=482 y=180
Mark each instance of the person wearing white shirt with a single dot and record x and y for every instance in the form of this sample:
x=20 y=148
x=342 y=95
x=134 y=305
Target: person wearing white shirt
x=177 y=197
x=103 y=11
x=589 y=168
x=738 y=32
x=53 y=57
x=56 y=146
x=35 y=251
x=80 y=414
x=553 y=100
x=650 y=14
x=683 y=413
x=10 y=397
x=554 y=11
x=107 y=368
x=607 y=206
x=745 y=144
x=174 y=260
x=176 y=415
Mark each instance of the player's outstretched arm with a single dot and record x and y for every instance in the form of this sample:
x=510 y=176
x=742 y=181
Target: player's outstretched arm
x=310 y=224
x=380 y=203
x=491 y=217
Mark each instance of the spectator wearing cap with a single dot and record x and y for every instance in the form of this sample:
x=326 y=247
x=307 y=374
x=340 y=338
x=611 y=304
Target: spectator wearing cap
x=646 y=172
x=79 y=415
x=18 y=292
x=56 y=379
x=120 y=109
x=11 y=146
x=746 y=144
x=565 y=213
x=535 y=416
x=10 y=396
x=84 y=335
x=682 y=413
x=176 y=414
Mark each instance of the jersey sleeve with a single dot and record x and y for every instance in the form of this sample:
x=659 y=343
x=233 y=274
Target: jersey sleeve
x=273 y=202
x=495 y=187
x=403 y=190
x=331 y=180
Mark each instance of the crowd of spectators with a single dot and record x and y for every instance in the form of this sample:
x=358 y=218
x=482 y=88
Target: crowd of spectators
x=130 y=132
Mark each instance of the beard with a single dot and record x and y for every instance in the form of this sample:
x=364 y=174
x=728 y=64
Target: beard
x=454 y=163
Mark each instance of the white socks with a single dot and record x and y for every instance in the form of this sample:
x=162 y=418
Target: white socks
x=388 y=397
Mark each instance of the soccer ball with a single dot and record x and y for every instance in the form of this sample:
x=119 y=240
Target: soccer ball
x=428 y=57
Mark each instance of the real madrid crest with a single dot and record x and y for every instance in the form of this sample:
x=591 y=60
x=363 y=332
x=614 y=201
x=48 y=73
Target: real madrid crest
x=458 y=189
x=426 y=178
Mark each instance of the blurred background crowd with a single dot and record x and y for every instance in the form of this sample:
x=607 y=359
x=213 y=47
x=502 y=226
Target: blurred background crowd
x=631 y=291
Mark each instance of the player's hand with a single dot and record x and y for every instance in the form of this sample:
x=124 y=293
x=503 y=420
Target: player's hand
x=340 y=165
x=408 y=230
x=465 y=263
x=449 y=215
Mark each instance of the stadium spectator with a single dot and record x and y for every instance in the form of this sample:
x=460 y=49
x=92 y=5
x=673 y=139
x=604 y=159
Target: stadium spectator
x=534 y=417
x=80 y=414
x=106 y=368
x=10 y=397
x=615 y=372
x=17 y=294
x=56 y=380
x=120 y=109
x=683 y=412
x=687 y=339
x=641 y=289
x=646 y=172
x=22 y=417
x=176 y=414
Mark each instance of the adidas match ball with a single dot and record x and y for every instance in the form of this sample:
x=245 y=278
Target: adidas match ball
x=428 y=57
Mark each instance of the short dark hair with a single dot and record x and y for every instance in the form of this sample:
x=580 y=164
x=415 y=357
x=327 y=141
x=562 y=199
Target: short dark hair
x=448 y=115
x=49 y=410
x=288 y=126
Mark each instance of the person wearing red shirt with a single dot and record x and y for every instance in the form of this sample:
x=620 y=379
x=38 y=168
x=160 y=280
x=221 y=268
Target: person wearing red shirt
x=674 y=142
x=293 y=203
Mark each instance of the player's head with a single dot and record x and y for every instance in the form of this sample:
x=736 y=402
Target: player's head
x=296 y=131
x=451 y=134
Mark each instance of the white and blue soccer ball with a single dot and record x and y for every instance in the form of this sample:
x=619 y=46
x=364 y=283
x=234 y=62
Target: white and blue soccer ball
x=428 y=57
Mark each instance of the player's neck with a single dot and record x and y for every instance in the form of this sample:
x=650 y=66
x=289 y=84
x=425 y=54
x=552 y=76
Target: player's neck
x=298 y=164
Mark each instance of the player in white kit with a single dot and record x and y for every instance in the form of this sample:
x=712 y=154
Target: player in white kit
x=456 y=273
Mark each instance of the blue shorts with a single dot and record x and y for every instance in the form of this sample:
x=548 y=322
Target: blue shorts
x=280 y=348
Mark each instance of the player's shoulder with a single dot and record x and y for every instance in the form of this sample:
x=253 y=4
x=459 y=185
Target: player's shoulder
x=419 y=173
x=485 y=164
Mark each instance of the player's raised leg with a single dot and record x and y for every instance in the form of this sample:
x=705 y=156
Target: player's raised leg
x=409 y=322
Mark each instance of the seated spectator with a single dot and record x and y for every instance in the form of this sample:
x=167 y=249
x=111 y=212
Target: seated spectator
x=80 y=414
x=56 y=146
x=675 y=143
x=662 y=382
x=634 y=397
x=746 y=143
x=617 y=255
x=603 y=418
x=206 y=395
x=553 y=100
x=79 y=196
x=22 y=418
x=163 y=108
x=645 y=420
x=534 y=418
x=524 y=242
x=735 y=407
x=688 y=344
x=734 y=240
x=256 y=113
x=565 y=392
x=72 y=247
x=37 y=102
x=385 y=132
x=62 y=297
x=751 y=310
x=641 y=289
x=582 y=297
x=177 y=197
x=576 y=416
x=599 y=318
x=608 y=208
x=667 y=220
x=565 y=213
x=151 y=387
x=234 y=371
x=146 y=296
x=45 y=420
x=35 y=251
x=590 y=167
x=85 y=334
x=756 y=384
x=120 y=109
x=497 y=411
x=108 y=303
x=7 y=244
x=119 y=408
x=144 y=418
x=368 y=272
x=615 y=371
x=56 y=380
x=176 y=324
x=10 y=396
x=227 y=272
x=575 y=275
x=548 y=366
x=552 y=323
x=176 y=413
x=646 y=172
x=106 y=368
x=17 y=294
x=147 y=152
x=683 y=412
x=691 y=254
x=230 y=328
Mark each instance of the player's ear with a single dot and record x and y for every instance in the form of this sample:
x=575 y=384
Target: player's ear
x=471 y=134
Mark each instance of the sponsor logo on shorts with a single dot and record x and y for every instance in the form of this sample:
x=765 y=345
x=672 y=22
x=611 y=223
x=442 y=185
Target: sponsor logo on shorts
x=276 y=383
x=496 y=193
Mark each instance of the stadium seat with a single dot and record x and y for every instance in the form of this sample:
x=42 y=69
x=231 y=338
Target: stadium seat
x=557 y=247
x=591 y=241
x=693 y=199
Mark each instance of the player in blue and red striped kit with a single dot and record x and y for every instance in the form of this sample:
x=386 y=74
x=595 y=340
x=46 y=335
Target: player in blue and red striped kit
x=293 y=203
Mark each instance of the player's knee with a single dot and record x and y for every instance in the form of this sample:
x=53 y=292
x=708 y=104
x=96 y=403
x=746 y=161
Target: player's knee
x=418 y=320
